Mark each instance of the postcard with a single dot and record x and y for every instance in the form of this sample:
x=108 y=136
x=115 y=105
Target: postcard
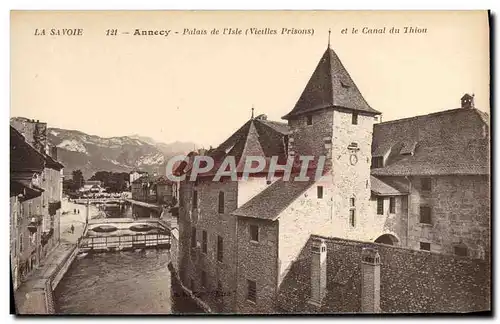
x=250 y=162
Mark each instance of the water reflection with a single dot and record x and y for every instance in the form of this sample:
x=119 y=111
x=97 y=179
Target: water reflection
x=126 y=282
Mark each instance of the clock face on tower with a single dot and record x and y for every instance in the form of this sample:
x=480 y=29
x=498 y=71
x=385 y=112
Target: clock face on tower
x=353 y=159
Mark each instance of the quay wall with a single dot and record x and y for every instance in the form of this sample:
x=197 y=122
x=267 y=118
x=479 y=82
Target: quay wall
x=40 y=300
x=63 y=268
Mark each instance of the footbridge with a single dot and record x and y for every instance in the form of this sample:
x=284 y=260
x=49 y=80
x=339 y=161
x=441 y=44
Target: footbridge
x=117 y=234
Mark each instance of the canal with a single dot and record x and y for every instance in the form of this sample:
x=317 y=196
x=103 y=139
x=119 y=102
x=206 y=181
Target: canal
x=127 y=282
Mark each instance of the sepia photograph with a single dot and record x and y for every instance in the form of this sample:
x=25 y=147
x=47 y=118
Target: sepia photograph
x=250 y=162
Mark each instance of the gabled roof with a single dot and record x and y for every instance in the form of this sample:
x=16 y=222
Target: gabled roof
x=257 y=137
x=270 y=202
x=451 y=142
x=330 y=86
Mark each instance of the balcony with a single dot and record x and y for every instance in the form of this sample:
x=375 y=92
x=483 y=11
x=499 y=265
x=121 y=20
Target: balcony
x=46 y=236
x=35 y=221
x=54 y=206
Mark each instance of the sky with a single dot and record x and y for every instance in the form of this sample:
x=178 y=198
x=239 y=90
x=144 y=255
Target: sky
x=201 y=88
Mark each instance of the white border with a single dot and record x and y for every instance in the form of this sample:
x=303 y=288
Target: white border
x=8 y=5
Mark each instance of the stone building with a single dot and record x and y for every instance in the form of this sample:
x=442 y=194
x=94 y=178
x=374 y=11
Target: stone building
x=35 y=201
x=420 y=183
x=154 y=189
x=134 y=175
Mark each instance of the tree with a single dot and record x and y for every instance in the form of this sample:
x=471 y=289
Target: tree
x=78 y=179
x=112 y=181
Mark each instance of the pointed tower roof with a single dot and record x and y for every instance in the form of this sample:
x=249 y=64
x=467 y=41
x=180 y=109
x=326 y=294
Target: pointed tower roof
x=330 y=86
x=257 y=137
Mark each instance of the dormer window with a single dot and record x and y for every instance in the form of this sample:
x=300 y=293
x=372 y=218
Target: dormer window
x=408 y=148
x=354 y=118
x=309 y=120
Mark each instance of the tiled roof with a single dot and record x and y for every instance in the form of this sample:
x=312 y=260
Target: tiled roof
x=24 y=187
x=256 y=137
x=23 y=156
x=52 y=163
x=448 y=142
x=387 y=187
x=158 y=179
x=269 y=203
x=330 y=86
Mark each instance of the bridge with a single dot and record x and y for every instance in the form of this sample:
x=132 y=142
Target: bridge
x=84 y=201
x=118 y=234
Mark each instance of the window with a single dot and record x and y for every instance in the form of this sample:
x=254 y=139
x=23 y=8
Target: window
x=392 y=205
x=377 y=162
x=220 y=292
x=203 y=279
x=309 y=120
x=352 y=217
x=380 y=206
x=425 y=183
x=220 y=248
x=425 y=214
x=221 y=202
x=252 y=291
x=352 y=212
x=193 y=237
x=254 y=233
x=21 y=243
x=354 y=118
x=460 y=250
x=195 y=199
x=320 y=192
x=204 y=242
x=425 y=246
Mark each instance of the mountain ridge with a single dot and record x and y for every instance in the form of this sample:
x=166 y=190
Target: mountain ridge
x=92 y=153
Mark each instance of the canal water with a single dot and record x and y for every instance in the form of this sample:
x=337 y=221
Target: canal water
x=127 y=282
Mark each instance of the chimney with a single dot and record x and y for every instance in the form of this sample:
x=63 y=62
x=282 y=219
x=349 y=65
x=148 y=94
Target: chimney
x=370 y=280
x=467 y=101
x=318 y=271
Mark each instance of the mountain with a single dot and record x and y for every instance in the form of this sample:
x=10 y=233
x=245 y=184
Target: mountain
x=91 y=153
x=168 y=149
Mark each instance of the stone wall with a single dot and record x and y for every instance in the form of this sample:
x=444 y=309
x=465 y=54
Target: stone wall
x=394 y=224
x=351 y=172
x=257 y=261
x=411 y=281
x=307 y=215
x=460 y=214
x=33 y=131
x=309 y=139
x=207 y=218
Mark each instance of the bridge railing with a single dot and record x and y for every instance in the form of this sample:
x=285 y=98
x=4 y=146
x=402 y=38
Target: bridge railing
x=124 y=241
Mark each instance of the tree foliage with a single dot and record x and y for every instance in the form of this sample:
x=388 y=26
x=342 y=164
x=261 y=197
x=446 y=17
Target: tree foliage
x=112 y=181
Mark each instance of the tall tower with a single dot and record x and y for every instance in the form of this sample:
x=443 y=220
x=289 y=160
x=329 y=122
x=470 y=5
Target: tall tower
x=332 y=119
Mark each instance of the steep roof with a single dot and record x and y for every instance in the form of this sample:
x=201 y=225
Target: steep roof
x=444 y=143
x=269 y=203
x=330 y=86
x=257 y=137
x=23 y=156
